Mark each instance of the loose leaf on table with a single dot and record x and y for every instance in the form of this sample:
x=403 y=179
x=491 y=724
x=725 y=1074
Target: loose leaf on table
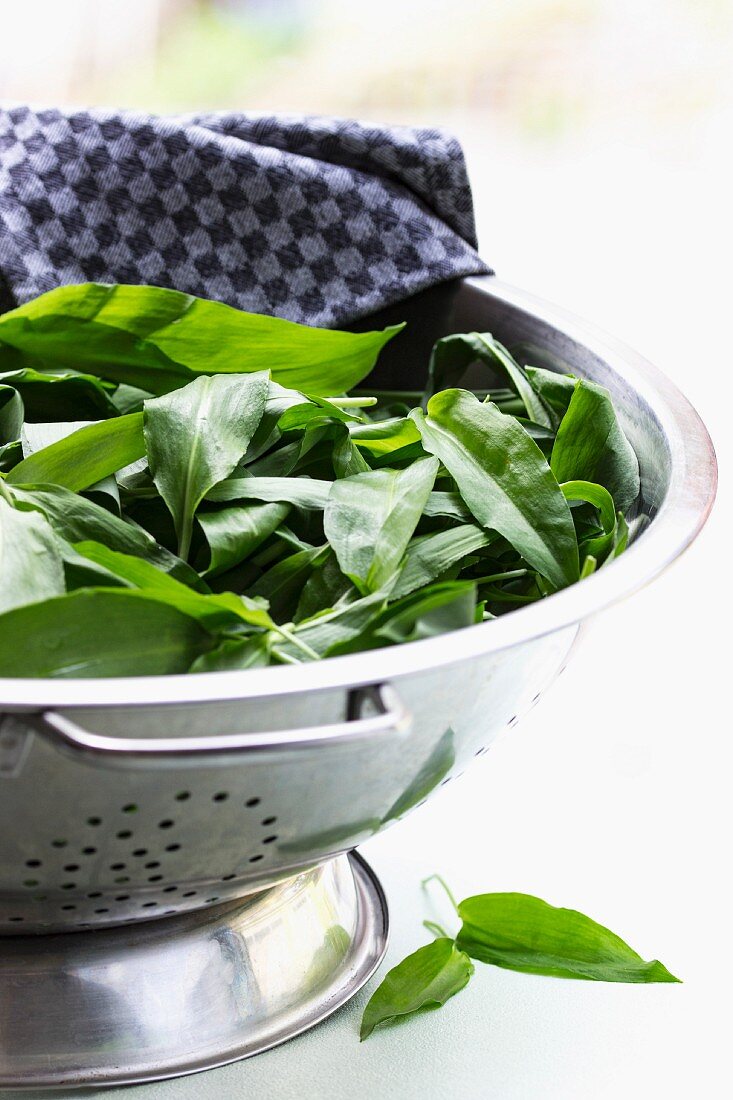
x=426 y=979
x=213 y=610
x=196 y=436
x=504 y=479
x=452 y=356
x=77 y=519
x=99 y=632
x=590 y=446
x=233 y=533
x=521 y=932
x=86 y=456
x=159 y=339
x=30 y=562
x=370 y=518
x=428 y=556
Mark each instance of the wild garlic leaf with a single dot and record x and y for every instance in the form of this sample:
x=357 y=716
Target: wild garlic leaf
x=426 y=979
x=99 y=632
x=428 y=556
x=590 y=446
x=284 y=582
x=234 y=654
x=196 y=436
x=317 y=636
x=213 y=610
x=452 y=356
x=232 y=534
x=30 y=562
x=504 y=479
x=159 y=339
x=370 y=518
x=12 y=414
x=305 y=492
x=86 y=456
x=61 y=394
x=77 y=519
x=521 y=932
x=35 y=437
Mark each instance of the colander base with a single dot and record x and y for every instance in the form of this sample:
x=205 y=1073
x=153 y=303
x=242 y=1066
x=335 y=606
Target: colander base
x=187 y=993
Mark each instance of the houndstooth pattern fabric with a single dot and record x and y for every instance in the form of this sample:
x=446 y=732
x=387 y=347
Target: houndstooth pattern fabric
x=318 y=220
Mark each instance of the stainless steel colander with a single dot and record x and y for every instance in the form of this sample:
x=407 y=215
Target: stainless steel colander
x=124 y=800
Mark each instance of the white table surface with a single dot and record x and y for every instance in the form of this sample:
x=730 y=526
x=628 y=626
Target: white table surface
x=613 y=796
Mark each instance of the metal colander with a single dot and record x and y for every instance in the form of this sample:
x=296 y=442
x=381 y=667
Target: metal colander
x=124 y=800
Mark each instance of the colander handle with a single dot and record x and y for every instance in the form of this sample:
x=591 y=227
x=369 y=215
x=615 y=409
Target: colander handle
x=392 y=718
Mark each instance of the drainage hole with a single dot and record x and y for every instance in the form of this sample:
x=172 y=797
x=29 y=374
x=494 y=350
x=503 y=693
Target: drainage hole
x=68 y=886
x=33 y=863
x=183 y=796
x=169 y=889
x=122 y=897
x=94 y=821
x=101 y=910
x=140 y=852
x=59 y=843
x=189 y=894
x=15 y=919
x=268 y=820
x=68 y=908
x=124 y=834
x=210 y=901
x=255 y=859
x=155 y=878
x=148 y=904
x=31 y=882
x=130 y=808
x=122 y=879
x=172 y=847
x=152 y=865
x=252 y=802
x=95 y=894
x=88 y=851
x=269 y=839
x=220 y=796
x=227 y=878
x=71 y=867
x=117 y=866
x=166 y=824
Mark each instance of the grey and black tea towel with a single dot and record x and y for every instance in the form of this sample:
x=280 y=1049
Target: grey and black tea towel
x=318 y=220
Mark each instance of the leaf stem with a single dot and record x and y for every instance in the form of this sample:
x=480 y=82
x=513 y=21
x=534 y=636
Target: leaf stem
x=436 y=929
x=298 y=643
x=5 y=493
x=353 y=402
x=441 y=881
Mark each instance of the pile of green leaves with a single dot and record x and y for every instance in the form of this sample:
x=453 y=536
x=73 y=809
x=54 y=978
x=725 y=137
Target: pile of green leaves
x=184 y=486
x=514 y=931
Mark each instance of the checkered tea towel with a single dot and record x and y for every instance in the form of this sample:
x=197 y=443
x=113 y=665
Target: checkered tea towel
x=319 y=220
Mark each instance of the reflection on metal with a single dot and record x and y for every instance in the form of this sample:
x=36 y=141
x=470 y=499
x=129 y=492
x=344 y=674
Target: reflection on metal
x=167 y=998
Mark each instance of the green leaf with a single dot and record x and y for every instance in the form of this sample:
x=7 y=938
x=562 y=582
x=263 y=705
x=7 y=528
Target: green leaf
x=521 y=932
x=370 y=518
x=428 y=556
x=305 y=492
x=11 y=414
x=385 y=437
x=452 y=356
x=158 y=339
x=590 y=446
x=77 y=520
x=283 y=583
x=426 y=979
x=504 y=479
x=61 y=395
x=30 y=562
x=196 y=436
x=234 y=654
x=86 y=456
x=214 y=611
x=233 y=533
x=323 y=632
x=99 y=632
x=35 y=437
